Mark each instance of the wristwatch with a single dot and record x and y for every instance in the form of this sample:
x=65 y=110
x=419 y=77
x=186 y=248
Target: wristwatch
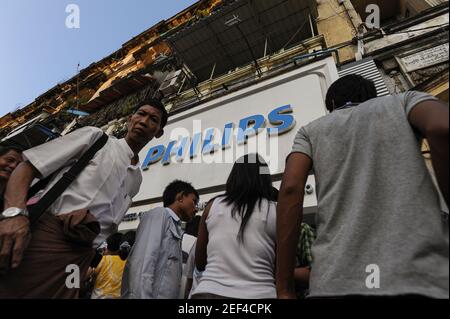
x=13 y=212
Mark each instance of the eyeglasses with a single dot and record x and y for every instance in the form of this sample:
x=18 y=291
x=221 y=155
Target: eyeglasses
x=198 y=206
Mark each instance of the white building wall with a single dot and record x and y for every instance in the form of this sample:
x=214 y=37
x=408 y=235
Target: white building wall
x=304 y=89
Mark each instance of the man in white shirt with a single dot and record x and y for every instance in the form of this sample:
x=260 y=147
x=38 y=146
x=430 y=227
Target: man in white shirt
x=99 y=196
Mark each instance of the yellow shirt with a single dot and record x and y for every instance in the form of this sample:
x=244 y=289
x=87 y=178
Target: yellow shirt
x=108 y=281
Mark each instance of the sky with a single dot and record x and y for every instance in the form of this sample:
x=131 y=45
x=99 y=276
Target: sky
x=38 y=50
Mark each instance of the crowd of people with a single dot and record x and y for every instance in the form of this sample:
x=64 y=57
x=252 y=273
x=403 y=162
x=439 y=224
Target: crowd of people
x=377 y=208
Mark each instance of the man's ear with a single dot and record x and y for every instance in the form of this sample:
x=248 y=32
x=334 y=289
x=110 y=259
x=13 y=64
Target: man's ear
x=179 y=196
x=160 y=133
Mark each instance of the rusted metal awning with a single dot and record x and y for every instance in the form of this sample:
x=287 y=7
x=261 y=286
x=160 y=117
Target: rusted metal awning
x=258 y=28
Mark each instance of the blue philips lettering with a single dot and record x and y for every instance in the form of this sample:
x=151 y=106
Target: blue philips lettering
x=181 y=149
x=227 y=133
x=168 y=153
x=193 y=150
x=258 y=121
x=208 y=146
x=282 y=118
x=153 y=156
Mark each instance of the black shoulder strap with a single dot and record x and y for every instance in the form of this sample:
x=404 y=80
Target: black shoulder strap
x=68 y=177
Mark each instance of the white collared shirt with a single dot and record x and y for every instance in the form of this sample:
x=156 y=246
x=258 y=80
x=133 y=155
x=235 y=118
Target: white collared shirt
x=105 y=187
x=173 y=215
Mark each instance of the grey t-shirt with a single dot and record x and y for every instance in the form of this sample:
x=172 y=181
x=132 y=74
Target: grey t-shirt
x=377 y=206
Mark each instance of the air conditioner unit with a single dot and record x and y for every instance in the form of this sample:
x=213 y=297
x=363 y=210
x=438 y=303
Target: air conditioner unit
x=30 y=136
x=171 y=83
x=160 y=57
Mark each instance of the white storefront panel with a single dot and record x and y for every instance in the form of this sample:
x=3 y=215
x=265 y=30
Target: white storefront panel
x=303 y=90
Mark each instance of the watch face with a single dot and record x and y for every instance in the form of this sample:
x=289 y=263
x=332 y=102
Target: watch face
x=12 y=211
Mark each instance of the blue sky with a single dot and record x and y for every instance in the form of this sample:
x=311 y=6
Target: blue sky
x=38 y=50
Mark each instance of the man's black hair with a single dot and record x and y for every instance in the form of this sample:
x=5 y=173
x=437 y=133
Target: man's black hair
x=126 y=244
x=6 y=148
x=156 y=104
x=114 y=241
x=351 y=88
x=176 y=187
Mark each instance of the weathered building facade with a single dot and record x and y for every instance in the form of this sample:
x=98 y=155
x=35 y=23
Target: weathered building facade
x=107 y=88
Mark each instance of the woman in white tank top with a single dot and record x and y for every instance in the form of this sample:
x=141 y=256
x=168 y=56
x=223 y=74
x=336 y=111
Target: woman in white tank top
x=236 y=241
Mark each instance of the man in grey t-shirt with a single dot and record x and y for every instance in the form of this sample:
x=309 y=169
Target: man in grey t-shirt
x=380 y=231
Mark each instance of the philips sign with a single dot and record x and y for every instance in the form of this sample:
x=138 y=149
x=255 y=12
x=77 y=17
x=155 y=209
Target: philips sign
x=206 y=142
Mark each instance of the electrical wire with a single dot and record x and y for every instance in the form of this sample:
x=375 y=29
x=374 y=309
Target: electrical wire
x=421 y=29
x=366 y=36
